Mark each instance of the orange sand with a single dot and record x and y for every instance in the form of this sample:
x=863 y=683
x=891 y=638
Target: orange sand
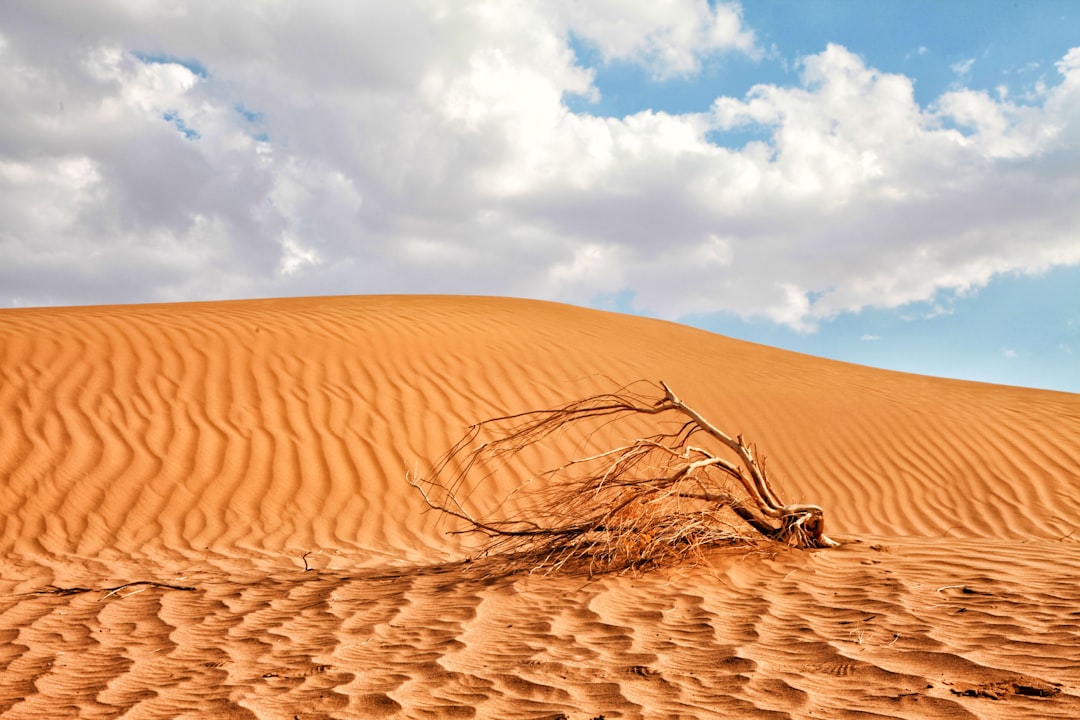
x=210 y=451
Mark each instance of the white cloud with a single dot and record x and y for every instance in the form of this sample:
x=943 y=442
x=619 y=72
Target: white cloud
x=670 y=37
x=963 y=67
x=867 y=337
x=427 y=146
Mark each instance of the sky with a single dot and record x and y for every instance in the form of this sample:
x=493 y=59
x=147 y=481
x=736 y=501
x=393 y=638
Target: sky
x=888 y=183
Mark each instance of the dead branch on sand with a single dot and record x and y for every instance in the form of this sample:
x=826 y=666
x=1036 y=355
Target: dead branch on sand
x=111 y=591
x=653 y=500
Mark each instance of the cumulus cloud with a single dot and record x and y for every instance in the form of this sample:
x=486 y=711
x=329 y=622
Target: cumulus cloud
x=161 y=152
x=669 y=38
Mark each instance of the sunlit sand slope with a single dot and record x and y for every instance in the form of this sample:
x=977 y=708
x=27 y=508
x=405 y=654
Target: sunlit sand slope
x=205 y=514
x=289 y=425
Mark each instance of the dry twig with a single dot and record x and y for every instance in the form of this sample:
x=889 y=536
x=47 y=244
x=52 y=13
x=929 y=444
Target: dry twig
x=111 y=591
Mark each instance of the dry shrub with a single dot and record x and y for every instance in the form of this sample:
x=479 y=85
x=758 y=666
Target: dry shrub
x=650 y=502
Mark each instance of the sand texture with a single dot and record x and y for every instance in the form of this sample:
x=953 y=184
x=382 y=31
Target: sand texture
x=205 y=514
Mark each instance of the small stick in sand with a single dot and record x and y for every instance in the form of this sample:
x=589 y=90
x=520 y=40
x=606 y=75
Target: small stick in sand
x=110 y=591
x=144 y=585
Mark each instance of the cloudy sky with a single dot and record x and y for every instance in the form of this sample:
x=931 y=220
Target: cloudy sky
x=891 y=183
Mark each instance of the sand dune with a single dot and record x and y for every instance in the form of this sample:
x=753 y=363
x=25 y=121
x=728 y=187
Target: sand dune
x=209 y=452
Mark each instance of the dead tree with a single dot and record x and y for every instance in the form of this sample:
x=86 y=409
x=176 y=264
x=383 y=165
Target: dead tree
x=650 y=501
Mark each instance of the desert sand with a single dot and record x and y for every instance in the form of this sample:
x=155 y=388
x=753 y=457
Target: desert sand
x=205 y=514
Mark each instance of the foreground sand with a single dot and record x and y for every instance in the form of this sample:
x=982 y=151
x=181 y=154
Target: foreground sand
x=168 y=472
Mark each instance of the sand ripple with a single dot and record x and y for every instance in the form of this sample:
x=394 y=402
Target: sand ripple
x=210 y=452
x=889 y=630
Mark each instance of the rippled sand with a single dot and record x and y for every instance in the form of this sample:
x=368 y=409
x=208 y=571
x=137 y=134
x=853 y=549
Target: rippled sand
x=168 y=472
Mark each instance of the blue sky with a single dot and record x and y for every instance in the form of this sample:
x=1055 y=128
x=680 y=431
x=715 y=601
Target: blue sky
x=1020 y=329
x=938 y=43
x=888 y=183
